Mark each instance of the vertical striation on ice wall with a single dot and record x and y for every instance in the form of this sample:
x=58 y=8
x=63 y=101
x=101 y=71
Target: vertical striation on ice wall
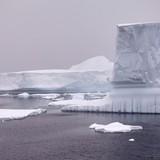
x=138 y=55
x=136 y=73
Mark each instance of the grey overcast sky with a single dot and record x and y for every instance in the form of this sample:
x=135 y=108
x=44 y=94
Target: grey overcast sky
x=49 y=34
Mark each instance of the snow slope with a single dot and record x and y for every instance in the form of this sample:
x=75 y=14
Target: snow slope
x=138 y=54
x=98 y=63
x=90 y=79
x=10 y=114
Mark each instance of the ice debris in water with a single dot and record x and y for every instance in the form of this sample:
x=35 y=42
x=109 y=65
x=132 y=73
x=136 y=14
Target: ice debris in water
x=24 y=95
x=114 y=127
x=131 y=140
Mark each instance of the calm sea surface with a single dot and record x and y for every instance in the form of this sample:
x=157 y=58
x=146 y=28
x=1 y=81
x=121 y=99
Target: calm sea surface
x=57 y=135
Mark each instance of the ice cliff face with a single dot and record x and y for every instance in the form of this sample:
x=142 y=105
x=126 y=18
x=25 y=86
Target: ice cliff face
x=80 y=78
x=138 y=54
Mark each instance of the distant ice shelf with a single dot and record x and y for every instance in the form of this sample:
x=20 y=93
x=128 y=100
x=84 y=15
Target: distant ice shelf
x=93 y=75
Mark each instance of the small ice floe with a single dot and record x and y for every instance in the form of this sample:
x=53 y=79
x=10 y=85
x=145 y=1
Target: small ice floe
x=5 y=95
x=131 y=140
x=46 y=96
x=10 y=114
x=114 y=127
x=24 y=95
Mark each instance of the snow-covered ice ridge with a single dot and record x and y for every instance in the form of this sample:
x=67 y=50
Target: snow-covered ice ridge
x=137 y=55
x=92 y=75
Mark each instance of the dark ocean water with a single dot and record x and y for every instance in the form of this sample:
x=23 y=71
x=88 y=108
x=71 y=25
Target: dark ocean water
x=57 y=135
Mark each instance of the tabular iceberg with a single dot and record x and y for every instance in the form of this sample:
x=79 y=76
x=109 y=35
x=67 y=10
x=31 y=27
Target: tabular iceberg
x=136 y=73
x=138 y=55
x=85 y=77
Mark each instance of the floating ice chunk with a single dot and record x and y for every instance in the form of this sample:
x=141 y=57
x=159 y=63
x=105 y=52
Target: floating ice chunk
x=24 y=95
x=114 y=127
x=131 y=140
x=94 y=125
x=81 y=105
x=78 y=96
x=51 y=96
x=10 y=114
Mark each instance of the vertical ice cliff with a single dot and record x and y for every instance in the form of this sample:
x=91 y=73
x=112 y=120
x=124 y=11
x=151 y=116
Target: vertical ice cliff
x=138 y=54
x=137 y=65
x=136 y=74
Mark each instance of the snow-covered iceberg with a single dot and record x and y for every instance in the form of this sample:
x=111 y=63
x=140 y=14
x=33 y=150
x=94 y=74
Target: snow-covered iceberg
x=89 y=79
x=114 y=127
x=136 y=73
x=10 y=114
x=137 y=60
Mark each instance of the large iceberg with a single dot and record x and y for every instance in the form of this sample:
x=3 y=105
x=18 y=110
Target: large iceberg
x=136 y=74
x=85 y=77
x=137 y=55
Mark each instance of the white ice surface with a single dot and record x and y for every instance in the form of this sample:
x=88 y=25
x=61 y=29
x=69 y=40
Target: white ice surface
x=80 y=102
x=138 y=54
x=46 y=96
x=6 y=95
x=78 y=96
x=74 y=80
x=24 y=95
x=99 y=63
x=11 y=114
x=98 y=105
x=131 y=140
x=114 y=127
